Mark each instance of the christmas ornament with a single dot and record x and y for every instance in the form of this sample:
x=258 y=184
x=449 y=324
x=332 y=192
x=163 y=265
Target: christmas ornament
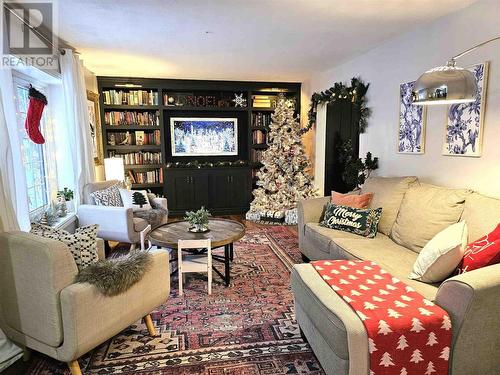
x=239 y=100
x=37 y=102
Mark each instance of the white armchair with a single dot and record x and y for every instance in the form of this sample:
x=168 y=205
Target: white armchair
x=120 y=223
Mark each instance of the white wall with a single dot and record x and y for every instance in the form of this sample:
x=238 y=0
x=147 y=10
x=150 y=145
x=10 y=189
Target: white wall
x=404 y=59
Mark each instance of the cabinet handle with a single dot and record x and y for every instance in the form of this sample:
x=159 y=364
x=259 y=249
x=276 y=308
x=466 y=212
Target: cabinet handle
x=192 y=180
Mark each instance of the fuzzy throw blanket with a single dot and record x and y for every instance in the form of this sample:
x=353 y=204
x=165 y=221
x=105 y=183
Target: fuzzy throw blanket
x=115 y=276
x=407 y=334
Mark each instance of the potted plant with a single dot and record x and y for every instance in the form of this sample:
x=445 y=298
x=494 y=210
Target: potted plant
x=67 y=195
x=198 y=220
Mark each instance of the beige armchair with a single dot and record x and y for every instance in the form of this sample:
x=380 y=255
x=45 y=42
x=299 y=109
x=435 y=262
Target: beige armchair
x=120 y=224
x=42 y=308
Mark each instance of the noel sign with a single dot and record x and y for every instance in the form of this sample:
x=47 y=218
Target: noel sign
x=407 y=334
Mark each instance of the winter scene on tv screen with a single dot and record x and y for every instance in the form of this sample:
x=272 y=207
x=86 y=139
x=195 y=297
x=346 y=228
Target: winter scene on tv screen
x=204 y=136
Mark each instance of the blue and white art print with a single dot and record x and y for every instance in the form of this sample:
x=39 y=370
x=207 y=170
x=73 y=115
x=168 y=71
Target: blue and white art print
x=195 y=136
x=411 y=135
x=464 y=122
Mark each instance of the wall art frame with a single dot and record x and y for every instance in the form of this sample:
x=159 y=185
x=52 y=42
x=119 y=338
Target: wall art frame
x=412 y=123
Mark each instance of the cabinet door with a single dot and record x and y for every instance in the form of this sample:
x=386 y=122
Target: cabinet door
x=239 y=188
x=221 y=190
x=199 y=182
x=182 y=192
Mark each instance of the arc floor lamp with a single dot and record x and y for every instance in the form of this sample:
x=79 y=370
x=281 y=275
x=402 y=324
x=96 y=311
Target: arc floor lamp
x=447 y=84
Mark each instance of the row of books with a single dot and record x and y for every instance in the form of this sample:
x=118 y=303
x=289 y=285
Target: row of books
x=149 y=177
x=138 y=158
x=132 y=118
x=263 y=101
x=138 y=138
x=261 y=119
x=131 y=97
x=259 y=137
x=256 y=156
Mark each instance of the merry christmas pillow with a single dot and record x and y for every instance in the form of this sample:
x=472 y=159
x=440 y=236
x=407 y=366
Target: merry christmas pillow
x=352 y=200
x=137 y=199
x=482 y=252
x=355 y=220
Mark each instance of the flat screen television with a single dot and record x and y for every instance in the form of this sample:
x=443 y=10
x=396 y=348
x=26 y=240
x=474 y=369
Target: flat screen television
x=204 y=136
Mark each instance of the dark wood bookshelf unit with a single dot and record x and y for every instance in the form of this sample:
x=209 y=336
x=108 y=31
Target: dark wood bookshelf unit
x=143 y=106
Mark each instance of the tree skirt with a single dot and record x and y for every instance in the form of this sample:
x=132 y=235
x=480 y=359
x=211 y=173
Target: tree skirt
x=247 y=328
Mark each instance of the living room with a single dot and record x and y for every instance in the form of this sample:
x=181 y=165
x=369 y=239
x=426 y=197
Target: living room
x=259 y=187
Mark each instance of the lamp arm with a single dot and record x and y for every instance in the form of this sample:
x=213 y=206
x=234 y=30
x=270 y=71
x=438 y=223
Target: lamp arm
x=473 y=48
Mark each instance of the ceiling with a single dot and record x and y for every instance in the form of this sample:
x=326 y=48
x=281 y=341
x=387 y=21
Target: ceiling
x=235 y=39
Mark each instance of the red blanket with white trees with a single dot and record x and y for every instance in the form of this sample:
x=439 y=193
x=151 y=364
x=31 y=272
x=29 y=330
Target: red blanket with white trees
x=407 y=334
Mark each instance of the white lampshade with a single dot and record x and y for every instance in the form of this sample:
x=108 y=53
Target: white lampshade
x=113 y=169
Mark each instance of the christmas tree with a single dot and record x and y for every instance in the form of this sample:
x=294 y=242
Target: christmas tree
x=386 y=360
x=283 y=179
x=432 y=339
x=416 y=325
x=384 y=328
x=416 y=356
x=402 y=343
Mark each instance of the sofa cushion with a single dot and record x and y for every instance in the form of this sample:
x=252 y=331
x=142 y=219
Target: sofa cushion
x=439 y=258
x=388 y=192
x=352 y=199
x=395 y=259
x=425 y=211
x=354 y=220
x=139 y=224
x=482 y=215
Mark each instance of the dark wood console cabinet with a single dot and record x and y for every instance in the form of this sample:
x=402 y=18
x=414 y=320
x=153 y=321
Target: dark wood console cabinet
x=221 y=190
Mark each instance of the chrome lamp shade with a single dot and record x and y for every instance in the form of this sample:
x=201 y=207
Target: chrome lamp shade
x=447 y=84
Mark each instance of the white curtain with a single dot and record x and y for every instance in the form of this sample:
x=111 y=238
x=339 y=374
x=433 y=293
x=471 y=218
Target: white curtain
x=13 y=176
x=9 y=220
x=77 y=122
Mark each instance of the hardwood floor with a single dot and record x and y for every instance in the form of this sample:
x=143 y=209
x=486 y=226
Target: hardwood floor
x=21 y=367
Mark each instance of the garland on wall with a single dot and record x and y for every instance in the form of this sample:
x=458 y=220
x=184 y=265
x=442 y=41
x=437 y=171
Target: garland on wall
x=355 y=93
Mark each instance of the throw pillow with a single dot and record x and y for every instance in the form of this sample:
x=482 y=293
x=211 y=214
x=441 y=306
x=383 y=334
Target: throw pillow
x=137 y=199
x=355 y=220
x=352 y=200
x=441 y=255
x=82 y=244
x=108 y=197
x=482 y=252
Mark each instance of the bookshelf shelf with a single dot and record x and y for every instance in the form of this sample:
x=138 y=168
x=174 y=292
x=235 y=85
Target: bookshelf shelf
x=143 y=166
x=257 y=109
x=260 y=146
x=134 y=148
x=131 y=127
x=139 y=186
x=185 y=108
x=125 y=106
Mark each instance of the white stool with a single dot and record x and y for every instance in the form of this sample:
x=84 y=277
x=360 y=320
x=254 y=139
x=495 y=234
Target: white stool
x=190 y=263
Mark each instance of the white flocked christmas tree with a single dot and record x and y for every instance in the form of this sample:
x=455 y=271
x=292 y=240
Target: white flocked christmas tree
x=284 y=178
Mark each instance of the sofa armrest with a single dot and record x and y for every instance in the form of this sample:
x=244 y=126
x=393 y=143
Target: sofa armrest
x=472 y=300
x=115 y=223
x=310 y=211
x=160 y=203
x=90 y=318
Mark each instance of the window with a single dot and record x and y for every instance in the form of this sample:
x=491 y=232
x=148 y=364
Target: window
x=34 y=155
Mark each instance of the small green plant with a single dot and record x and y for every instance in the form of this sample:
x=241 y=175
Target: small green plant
x=356 y=171
x=66 y=193
x=198 y=218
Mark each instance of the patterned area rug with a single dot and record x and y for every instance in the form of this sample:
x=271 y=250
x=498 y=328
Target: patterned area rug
x=245 y=329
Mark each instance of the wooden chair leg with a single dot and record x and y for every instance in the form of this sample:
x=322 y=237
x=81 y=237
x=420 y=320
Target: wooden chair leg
x=26 y=354
x=74 y=367
x=150 y=325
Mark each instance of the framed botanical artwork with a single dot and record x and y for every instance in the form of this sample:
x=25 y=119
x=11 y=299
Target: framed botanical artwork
x=412 y=118
x=95 y=126
x=464 y=122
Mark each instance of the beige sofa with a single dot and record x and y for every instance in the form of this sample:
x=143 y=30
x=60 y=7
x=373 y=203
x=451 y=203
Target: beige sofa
x=412 y=214
x=42 y=308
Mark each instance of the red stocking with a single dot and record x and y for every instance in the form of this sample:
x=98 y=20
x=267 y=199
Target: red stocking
x=37 y=103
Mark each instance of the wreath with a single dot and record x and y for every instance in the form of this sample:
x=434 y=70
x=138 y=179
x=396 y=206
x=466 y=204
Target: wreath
x=355 y=93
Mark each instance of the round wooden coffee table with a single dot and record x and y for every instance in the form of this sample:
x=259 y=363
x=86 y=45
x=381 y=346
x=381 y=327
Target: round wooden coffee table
x=222 y=232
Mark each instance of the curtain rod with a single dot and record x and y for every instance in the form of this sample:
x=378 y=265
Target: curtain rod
x=39 y=34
